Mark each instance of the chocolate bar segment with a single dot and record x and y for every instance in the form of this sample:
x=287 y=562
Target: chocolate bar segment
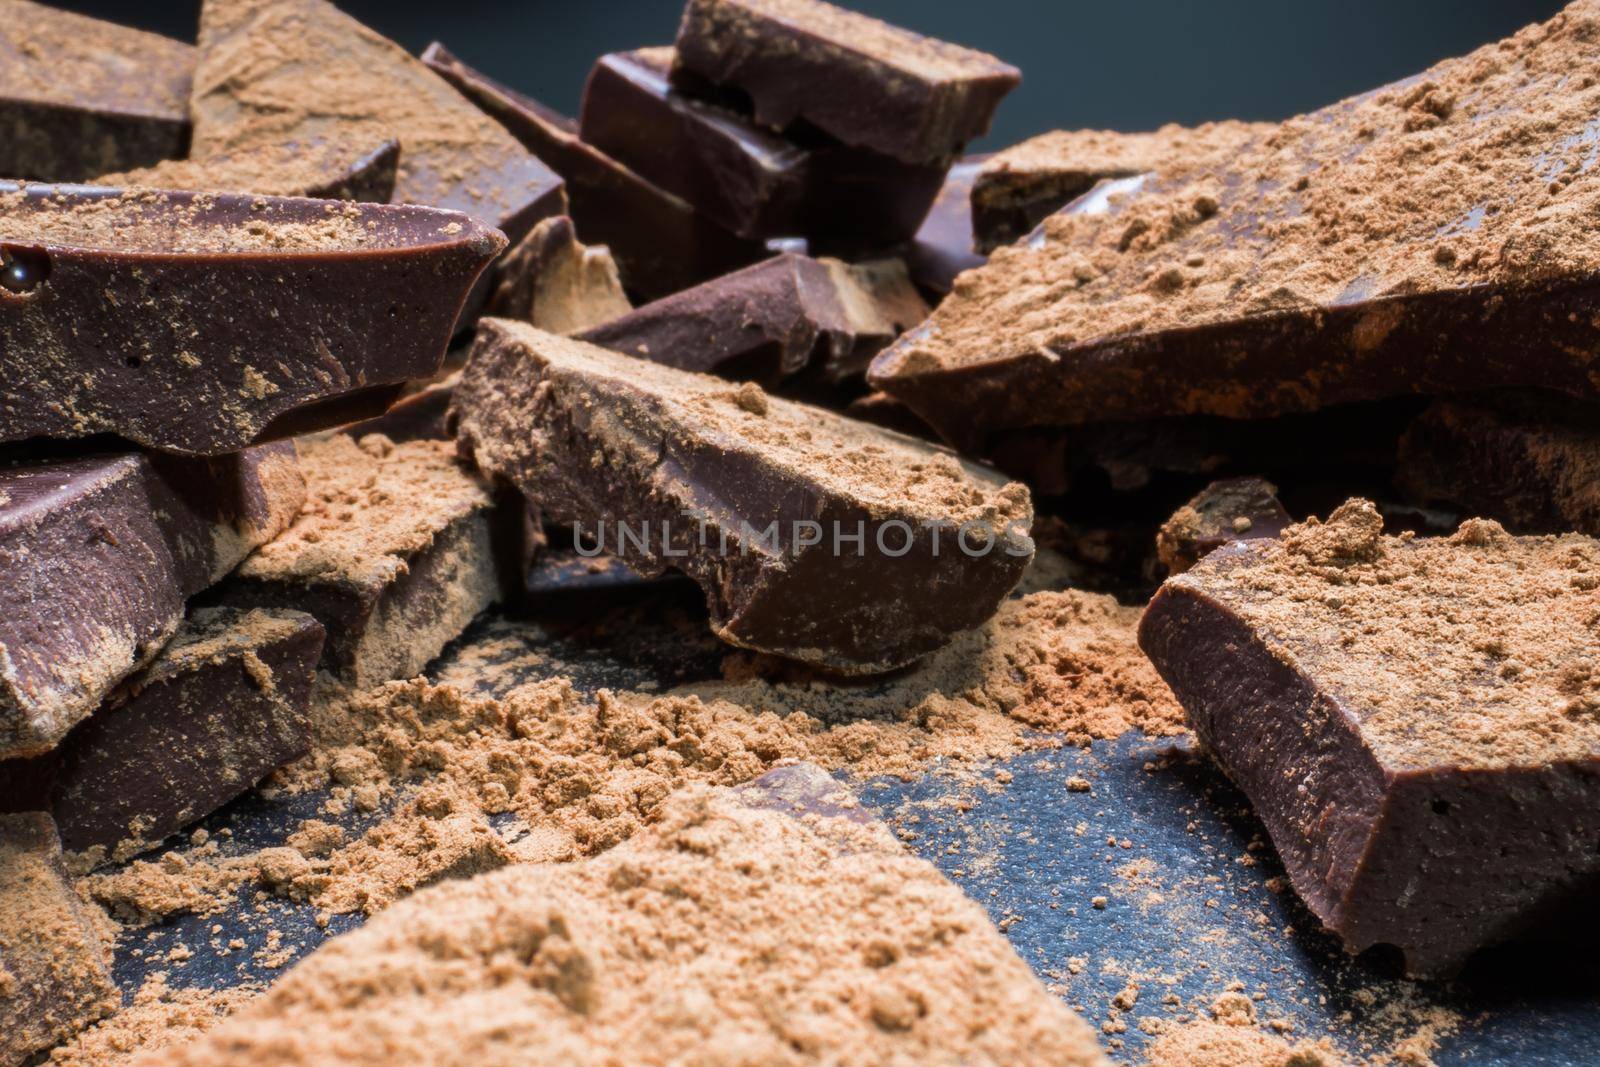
x=301 y=70
x=813 y=536
x=1233 y=509
x=80 y=97
x=322 y=170
x=944 y=244
x=860 y=80
x=98 y=555
x=556 y=283
x=1416 y=721
x=200 y=323
x=226 y=703
x=660 y=242
x=773 y=320
x=55 y=967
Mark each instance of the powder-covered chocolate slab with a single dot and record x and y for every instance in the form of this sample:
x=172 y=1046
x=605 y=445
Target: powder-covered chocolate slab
x=557 y=283
x=1416 y=720
x=813 y=536
x=200 y=323
x=323 y=170
x=80 y=97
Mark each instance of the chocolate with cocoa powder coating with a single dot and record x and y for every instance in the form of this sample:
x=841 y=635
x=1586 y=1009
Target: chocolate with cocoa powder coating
x=80 y=97
x=813 y=536
x=97 y=557
x=1233 y=509
x=225 y=704
x=1416 y=721
x=320 y=169
x=557 y=283
x=860 y=80
x=201 y=323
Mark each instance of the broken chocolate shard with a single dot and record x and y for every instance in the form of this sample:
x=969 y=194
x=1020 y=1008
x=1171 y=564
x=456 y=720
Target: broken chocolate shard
x=81 y=97
x=551 y=280
x=55 y=967
x=660 y=242
x=1258 y=290
x=1415 y=720
x=320 y=169
x=860 y=80
x=200 y=323
x=421 y=414
x=225 y=704
x=753 y=181
x=773 y=320
x=1233 y=509
x=944 y=245
x=97 y=557
x=301 y=70
x=396 y=551
x=813 y=536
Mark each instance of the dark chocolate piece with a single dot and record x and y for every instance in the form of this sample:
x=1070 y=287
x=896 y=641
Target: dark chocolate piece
x=559 y=575
x=1234 y=509
x=881 y=409
x=80 y=97
x=773 y=320
x=98 y=555
x=813 y=536
x=420 y=415
x=226 y=703
x=556 y=283
x=55 y=973
x=861 y=80
x=322 y=170
x=754 y=182
x=945 y=245
x=191 y=322
x=660 y=242
x=1416 y=721
x=1534 y=464
x=301 y=70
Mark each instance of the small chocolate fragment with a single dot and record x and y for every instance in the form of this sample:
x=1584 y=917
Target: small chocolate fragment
x=1533 y=464
x=861 y=80
x=420 y=415
x=395 y=553
x=225 y=704
x=1234 y=509
x=322 y=170
x=301 y=70
x=201 y=323
x=813 y=536
x=98 y=555
x=754 y=182
x=55 y=968
x=552 y=281
x=80 y=97
x=660 y=242
x=1416 y=721
x=945 y=245
x=773 y=320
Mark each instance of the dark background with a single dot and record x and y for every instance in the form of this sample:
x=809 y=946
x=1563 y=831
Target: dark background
x=1129 y=65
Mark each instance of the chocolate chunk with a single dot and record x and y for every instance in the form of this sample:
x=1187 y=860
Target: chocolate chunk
x=1417 y=721
x=881 y=409
x=945 y=245
x=861 y=80
x=98 y=555
x=395 y=553
x=225 y=703
x=1234 y=509
x=556 y=283
x=1534 y=464
x=660 y=242
x=80 y=97
x=813 y=536
x=562 y=575
x=1419 y=239
x=201 y=323
x=757 y=183
x=420 y=415
x=55 y=973
x=322 y=170
x=301 y=70
x=773 y=320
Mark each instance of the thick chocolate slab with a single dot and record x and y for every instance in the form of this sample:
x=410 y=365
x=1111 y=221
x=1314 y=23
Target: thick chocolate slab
x=323 y=170
x=98 y=555
x=201 y=323
x=1415 y=720
x=944 y=244
x=298 y=70
x=703 y=470
x=1234 y=509
x=660 y=242
x=753 y=181
x=776 y=319
x=226 y=703
x=556 y=283
x=858 y=79
x=80 y=97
